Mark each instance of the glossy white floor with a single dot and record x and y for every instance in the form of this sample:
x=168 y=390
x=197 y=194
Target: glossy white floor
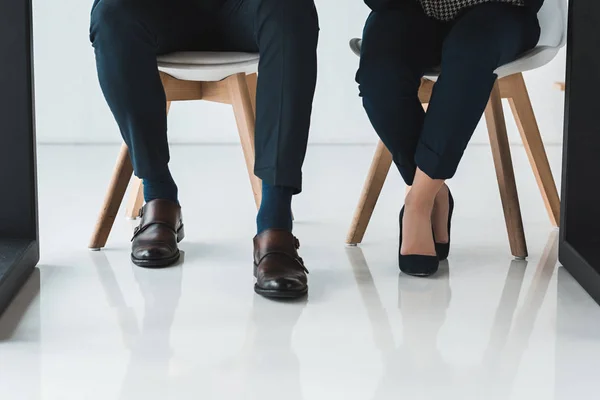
x=91 y=326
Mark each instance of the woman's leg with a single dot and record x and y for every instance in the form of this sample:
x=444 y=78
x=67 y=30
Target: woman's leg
x=398 y=46
x=484 y=38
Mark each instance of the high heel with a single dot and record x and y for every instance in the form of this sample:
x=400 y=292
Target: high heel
x=443 y=249
x=415 y=265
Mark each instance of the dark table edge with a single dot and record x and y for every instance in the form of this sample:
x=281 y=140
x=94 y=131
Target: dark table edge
x=18 y=272
x=572 y=243
x=19 y=234
x=579 y=267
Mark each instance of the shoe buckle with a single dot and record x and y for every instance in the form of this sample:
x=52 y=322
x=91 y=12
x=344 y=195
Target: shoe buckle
x=300 y=261
x=136 y=231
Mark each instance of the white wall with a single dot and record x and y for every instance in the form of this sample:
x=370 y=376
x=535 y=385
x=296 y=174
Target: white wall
x=71 y=109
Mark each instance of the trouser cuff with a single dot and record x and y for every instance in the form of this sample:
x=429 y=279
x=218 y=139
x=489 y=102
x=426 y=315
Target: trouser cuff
x=436 y=166
x=278 y=177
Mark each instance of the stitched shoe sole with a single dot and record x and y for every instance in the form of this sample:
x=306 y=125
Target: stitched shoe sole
x=159 y=263
x=280 y=294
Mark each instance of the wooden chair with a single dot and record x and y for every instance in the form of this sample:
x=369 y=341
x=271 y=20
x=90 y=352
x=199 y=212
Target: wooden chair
x=228 y=78
x=510 y=85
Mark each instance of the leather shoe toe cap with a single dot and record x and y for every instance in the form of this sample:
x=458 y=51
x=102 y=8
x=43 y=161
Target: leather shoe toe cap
x=156 y=252
x=286 y=284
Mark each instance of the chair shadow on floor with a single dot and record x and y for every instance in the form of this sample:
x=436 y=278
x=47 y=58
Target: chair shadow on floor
x=423 y=303
x=151 y=340
x=148 y=342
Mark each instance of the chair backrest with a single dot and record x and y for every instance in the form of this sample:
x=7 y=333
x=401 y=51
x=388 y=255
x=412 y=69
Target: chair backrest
x=553 y=22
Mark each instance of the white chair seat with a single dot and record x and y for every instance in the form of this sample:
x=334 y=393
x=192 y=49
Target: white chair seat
x=207 y=66
x=534 y=58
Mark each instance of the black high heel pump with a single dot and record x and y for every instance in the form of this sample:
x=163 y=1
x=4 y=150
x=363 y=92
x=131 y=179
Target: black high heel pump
x=443 y=249
x=416 y=265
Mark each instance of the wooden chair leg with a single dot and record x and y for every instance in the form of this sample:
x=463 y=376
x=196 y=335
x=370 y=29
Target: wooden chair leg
x=114 y=196
x=505 y=173
x=370 y=194
x=252 y=82
x=241 y=99
x=136 y=196
x=530 y=134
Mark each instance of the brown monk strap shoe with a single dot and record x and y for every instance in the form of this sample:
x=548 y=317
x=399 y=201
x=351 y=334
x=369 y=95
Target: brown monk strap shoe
x=155 y=239
x=279 y=271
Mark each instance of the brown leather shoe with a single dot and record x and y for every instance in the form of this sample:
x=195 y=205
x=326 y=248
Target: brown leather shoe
x=279 y=271
x=155 y=239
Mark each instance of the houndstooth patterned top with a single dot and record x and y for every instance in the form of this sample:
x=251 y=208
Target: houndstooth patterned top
x=447 y=10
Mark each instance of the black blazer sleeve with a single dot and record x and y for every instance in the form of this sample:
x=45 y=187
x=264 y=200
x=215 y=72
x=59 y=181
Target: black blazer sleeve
x=378 y=5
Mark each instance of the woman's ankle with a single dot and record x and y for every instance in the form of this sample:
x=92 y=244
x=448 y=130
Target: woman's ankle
x=418 y=203
x=442 y=194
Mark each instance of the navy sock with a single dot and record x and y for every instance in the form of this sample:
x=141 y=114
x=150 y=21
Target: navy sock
x=162 y=188
x=275 y=209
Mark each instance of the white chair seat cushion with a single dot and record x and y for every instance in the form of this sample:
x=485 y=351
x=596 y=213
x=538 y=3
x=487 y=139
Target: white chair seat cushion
x=207 y=66
x=532 y=59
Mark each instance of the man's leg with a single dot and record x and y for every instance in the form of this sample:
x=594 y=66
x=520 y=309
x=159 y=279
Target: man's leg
x=285 y=33
x=127 y=35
